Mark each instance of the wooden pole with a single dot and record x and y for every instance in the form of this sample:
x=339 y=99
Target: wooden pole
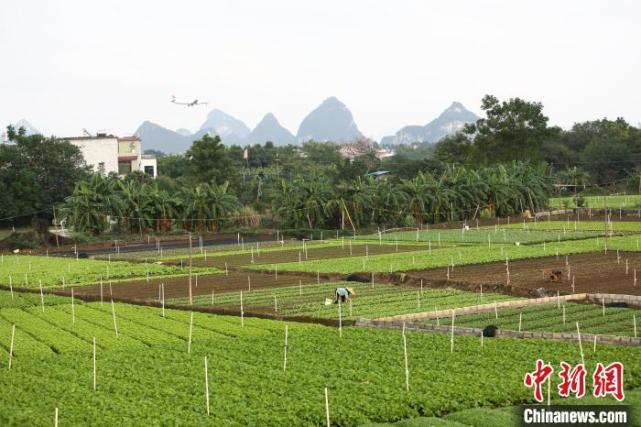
x=249 y=283
x=634 y=323
x=94 y=363
x=162 y=290
x=594 y=346
x=242 y=312
x=11 y=286
x=113 y=313
x=13 y=336
x=564 y=314
x=206 y=387
x=55 y=418
x=520 y=320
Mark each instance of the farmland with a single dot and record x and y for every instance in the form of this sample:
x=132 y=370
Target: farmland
x=598 y=202
x=372 y=301
x=557 y=318
x=149 y=373
x=33 y=271
x=149 y=369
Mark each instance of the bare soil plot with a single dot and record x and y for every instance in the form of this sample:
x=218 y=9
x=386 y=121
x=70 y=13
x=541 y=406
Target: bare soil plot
x=201 y=285
x=265 y=257
x=593 y=272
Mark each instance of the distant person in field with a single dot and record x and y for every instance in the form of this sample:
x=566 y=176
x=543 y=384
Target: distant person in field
x=343 y=294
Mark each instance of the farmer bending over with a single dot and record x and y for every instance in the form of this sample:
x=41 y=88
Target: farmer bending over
x=342 y=294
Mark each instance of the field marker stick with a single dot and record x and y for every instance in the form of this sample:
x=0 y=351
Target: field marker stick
x=11 y=286
x=634 y=323
x=452 y=335
x=249 y=283
x=421 y=286
x=73 y=309
x=350 y=308
x=594 y=347
x=340 y=320
x=481 y=339
x=549 y=390
x=300 y=287
x=564 y=314
x=162 y=288
x=327 y=407
x=407 y=370
x=242 y=312
x=275 y=305
x=206 y=387
x=226 y=270
x=42 y=297
x=94 y=363
x=626 y=266
x=113 y=313
x=558 y=299
x=496 y=312
x=603 y=306
x=55 y=418
x=191 y=327
x=101 y=292
x=520 y=320
x=285 y=354
x=580 y=344
x=634 y=283
x=13 y=335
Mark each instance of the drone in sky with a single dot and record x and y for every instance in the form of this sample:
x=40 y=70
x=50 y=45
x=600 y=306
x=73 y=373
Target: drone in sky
x=193 y=103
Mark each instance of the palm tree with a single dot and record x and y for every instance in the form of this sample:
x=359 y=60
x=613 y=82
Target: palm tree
x=91 y=205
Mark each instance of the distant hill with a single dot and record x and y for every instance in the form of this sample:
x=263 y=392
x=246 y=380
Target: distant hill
x=183 y=132
x=448 y=122
x=331 y=121
x=28 y=127
x=230 y=129
x=269 y=129
x=156 y=137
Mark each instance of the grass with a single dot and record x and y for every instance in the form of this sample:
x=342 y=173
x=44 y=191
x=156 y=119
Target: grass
x=370 y=301
x=598 y=202
x=31 y=271
x=146 y=374
x=591 y=318
x=570 y=226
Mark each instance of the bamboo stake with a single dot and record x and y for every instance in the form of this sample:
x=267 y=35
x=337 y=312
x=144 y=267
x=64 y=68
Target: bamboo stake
x=55 y=418
x=11 y=286
x=73 y=309
x=634 y=323
x=452 y=334
x=13 y=335
x=206 y=387
x=327 y=408
x=242 y=312
x=300 y=287
x=594 y=346
x=191 y=327
x=285 y=352
x=162 y=288
x=249 y=283
x=580 y=345
x=113 y=313
x=94 y=363
x=42 y=297
x=520 y=320
x=340 y=320
x=564 y=314
x=407 y=370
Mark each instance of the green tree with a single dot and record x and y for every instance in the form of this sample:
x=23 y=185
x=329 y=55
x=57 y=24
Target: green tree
x=513 y=130
x=207 y=161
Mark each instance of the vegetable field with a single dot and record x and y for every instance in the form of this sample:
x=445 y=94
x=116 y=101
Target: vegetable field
x=33 y=271
x=371 y=301
x=149 y=372
x=592 y=319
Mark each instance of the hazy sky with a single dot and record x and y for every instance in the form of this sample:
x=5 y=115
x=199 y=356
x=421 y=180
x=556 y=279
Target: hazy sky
x=68 y=65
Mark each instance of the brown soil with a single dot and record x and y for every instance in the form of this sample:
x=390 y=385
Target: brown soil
x=594 y=272
x=179 y=287
x=292 y=255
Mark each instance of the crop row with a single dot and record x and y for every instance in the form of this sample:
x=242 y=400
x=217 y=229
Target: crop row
x=370 y=301
x=484 y=235
x=459 y=255
x=575 y=225
x=592 y=319
x=149 y=377
x=31 y=271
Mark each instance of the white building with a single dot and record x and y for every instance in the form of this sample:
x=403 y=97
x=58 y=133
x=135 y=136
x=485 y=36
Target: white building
x=108 y=153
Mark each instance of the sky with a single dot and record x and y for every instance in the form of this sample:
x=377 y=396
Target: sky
x=109 y=65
